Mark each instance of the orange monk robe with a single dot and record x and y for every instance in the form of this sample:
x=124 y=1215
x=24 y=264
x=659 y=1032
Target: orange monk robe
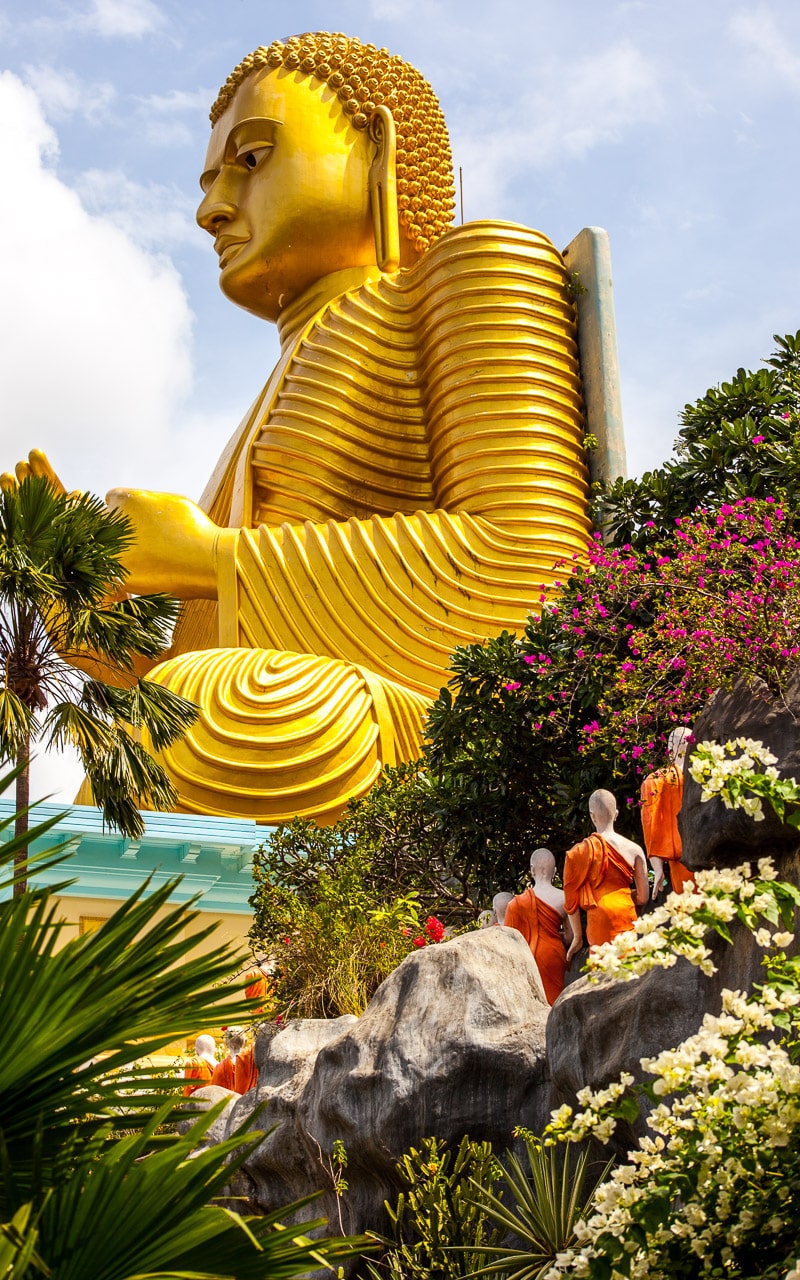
x=197 y=1069
x=662 y=795
x=598 y=879
x=225 y=1074
x=258 y=987
x=542 y=928
x=246 y=1077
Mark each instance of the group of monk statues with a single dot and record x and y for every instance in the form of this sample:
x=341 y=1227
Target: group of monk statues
x=605 y=879
x=605 y=876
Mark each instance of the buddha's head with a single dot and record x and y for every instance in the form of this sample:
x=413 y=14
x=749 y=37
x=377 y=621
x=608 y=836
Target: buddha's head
x=325 y=155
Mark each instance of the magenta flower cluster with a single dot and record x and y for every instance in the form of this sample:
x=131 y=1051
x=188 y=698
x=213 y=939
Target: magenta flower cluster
x=646 y=638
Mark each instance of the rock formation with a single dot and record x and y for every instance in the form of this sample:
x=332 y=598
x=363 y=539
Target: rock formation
x=452 y=1043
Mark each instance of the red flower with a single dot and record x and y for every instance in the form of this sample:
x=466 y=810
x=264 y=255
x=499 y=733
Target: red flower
x=434 y=929
x=420 y=942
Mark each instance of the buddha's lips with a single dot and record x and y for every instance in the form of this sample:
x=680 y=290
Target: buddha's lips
x=227 y=249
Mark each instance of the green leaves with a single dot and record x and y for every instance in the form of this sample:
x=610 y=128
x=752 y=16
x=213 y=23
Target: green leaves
x=741 y=439
x=63 y=636
x=93 y=1180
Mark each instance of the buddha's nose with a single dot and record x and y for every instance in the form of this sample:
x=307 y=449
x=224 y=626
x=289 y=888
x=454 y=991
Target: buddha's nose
x=214 y=212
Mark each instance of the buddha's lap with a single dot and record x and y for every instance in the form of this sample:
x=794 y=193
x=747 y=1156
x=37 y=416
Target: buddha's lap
x=284 y=734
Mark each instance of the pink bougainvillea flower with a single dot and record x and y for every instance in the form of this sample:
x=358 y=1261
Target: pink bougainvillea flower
x=758 y=439
x=512 y=685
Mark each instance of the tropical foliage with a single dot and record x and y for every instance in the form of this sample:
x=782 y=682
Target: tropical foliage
x=78 y=1117
x=471 y=1213
x=739 y=440
x=439 y=1222
x=69 y=647
x=332 y=929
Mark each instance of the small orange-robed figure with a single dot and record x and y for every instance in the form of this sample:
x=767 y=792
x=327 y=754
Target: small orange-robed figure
x=597 y=877
x=246 y=1071
x=540 y=916
x=225 y=1071
x=200 y=1068
x=258 y=982
x=662 y=796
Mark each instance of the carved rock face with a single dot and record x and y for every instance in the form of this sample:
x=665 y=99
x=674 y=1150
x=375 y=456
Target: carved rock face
x=452 y=1043
x=714 y=836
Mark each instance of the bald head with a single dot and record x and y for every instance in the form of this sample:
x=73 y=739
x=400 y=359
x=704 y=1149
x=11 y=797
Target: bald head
x=543 y=864
x=602 y=809
x=204 y=1046
x=500 y=903
x=678 y=742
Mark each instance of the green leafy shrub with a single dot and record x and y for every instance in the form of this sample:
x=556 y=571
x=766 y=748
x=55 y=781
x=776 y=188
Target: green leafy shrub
x=331 y=939
x=441 y=1229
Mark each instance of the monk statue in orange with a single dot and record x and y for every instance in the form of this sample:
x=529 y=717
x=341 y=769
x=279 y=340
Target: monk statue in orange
x=662 y=796
x=540 y=916
x=225 y=1071
x=598 y=875
x=199 y=1070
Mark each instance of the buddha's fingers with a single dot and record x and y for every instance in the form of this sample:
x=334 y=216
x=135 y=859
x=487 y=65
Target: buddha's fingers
x=37 y=463
x=40 y=465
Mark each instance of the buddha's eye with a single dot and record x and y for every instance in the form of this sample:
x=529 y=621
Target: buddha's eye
x=252 y=156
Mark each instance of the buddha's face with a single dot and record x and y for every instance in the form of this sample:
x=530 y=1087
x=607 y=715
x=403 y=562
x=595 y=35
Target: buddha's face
x=286 y=191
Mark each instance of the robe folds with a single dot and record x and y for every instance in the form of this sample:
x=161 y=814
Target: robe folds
x=598 y=879
x=541 y=927
x=662 y=796
x=225 y=1074
x=200 y=1071
x=246 y=1071
x=409 y=480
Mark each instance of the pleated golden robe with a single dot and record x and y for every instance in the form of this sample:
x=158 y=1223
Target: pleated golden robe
x=408 y=482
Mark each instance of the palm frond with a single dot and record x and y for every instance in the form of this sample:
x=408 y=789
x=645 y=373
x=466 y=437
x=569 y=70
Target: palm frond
x=538 y=1206
x=17 y=723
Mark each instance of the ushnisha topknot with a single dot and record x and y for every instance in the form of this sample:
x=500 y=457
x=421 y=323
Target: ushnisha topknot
x=364 y=78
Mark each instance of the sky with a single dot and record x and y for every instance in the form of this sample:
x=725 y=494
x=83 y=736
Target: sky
x=673 y=125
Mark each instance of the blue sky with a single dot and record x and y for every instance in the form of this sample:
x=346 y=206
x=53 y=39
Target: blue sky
x=673 y=125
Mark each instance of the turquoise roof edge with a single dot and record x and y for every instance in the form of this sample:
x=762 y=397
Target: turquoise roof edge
x=213 y=855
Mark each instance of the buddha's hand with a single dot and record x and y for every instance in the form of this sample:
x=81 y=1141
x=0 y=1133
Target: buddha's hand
x=37 y=463
x=175 y=544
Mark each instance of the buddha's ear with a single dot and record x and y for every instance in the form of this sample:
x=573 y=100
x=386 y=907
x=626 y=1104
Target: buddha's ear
x=383 y=189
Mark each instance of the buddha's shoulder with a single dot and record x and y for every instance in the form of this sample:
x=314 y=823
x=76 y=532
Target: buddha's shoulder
x=484 y=244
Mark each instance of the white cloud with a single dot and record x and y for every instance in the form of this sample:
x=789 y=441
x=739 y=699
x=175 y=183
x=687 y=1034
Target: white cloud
x=94 y=331
x=576 y=106
x=758 y=32
x=161 y=117
x=122 y=17
x=151 y=215
x=63 y=93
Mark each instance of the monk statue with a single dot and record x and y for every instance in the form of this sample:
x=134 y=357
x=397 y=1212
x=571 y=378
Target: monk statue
x=598 y=877
x=500 y=903
x=661 y=797
x=540 y=916
x=413 y=470
x=200 y=1068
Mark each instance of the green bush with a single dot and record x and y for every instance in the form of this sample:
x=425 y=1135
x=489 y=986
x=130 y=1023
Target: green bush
x=332 y=940
x=440 y=1228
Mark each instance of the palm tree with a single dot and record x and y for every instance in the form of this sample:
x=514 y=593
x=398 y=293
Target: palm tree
x=69 y=648
x=78 y=1198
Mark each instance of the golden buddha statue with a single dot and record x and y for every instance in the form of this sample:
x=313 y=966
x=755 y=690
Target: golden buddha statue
x=414 y=468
